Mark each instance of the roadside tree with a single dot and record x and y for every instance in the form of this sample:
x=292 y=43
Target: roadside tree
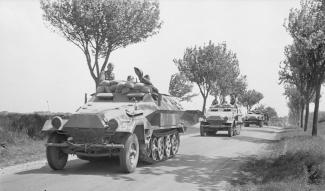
x=295 y=71
x=228 y=79
x=249 y=98
x=180 y=87
x=201 y=65
x=294 y=99
x=307 y=27
x=99 y=27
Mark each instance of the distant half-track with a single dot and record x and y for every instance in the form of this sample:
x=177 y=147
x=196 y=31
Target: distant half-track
x=221 y=118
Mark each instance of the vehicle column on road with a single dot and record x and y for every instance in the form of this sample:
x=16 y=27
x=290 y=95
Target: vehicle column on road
x=221 y=118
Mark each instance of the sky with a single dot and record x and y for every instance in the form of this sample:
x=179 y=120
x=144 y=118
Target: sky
x=40 y=70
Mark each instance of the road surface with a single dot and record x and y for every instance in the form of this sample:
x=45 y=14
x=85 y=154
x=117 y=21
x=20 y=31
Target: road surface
x=203 y=163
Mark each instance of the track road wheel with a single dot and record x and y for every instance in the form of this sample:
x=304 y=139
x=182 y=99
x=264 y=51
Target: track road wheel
x=175 y=143
x=154 y=149
x=56 y=158
x=161 y=148
x=202 y=132
x=230 y=131
x=129 y=156
x=168 y=146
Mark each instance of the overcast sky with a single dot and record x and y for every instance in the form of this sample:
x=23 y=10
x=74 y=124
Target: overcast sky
x=37 y=65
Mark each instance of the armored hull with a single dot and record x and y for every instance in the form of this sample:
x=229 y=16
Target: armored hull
x=255 y=118
x=221 y=118
x=126 y=119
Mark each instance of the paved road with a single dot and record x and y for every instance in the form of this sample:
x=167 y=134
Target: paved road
x=203 y=163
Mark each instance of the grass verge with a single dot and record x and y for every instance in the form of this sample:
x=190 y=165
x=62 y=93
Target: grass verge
x=17 y=147
x=297 y=163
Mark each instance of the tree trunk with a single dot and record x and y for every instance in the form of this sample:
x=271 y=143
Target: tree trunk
x=97 y=81
x=306 y=116
x=204 y=103
x=302 y=115
x=315 y=119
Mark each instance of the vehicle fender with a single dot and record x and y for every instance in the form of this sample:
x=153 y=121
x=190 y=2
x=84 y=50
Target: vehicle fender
x=142 y=131
x=48 y=127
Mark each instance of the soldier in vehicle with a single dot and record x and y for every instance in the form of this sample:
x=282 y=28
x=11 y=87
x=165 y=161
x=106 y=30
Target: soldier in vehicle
x=215 y=101
x=145 y=79
x=109 y=75
x=130 y=78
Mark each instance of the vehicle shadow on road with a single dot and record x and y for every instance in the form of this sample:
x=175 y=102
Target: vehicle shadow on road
x=105 y=167
x=240 y=138
x=205 y=172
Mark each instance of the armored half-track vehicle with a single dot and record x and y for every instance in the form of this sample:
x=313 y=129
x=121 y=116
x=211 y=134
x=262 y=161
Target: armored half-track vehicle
x=127 y=119
x=221 y=118
x=254 y=117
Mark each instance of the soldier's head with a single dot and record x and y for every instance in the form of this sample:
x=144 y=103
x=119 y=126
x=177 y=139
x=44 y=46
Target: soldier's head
x=146 y=77
x=130 y=78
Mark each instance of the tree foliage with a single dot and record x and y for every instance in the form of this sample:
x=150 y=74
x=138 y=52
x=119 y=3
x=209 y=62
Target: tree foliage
x=229 y=81
x=180 y=87
x=307 y=27
x=270 y=111
x=99 y=27
x=203 y=65
x=249 y=98
x=294 y=71
x=294 y=97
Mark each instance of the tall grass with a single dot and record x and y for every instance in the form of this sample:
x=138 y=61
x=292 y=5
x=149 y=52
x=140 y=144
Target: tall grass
x=297 y=163
x=21 y=139
x=29 y=124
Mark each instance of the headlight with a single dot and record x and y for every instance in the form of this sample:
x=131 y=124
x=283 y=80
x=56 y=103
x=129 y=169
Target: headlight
x=112 y=125
x=56 y=122
x=202 y=119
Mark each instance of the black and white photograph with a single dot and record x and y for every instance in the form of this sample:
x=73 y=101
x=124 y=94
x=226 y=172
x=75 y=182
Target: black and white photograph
x=163 y=95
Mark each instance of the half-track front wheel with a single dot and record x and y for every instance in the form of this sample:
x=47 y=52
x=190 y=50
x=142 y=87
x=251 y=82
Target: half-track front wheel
x=130 y=154
x=238 y=129
x=230 y=131
x=260 y=123
x=202 y=132
x=56 y=158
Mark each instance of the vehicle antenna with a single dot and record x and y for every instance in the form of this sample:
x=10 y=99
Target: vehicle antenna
x=48 y=106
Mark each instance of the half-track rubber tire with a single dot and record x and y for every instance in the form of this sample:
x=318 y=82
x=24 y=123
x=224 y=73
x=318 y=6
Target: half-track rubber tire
x=211 y=133
x=238 y=130
x=230 y=131
x=129 y=156
x=202 y=132
x=56 y=158
x=260 y=123
x=234 y=129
